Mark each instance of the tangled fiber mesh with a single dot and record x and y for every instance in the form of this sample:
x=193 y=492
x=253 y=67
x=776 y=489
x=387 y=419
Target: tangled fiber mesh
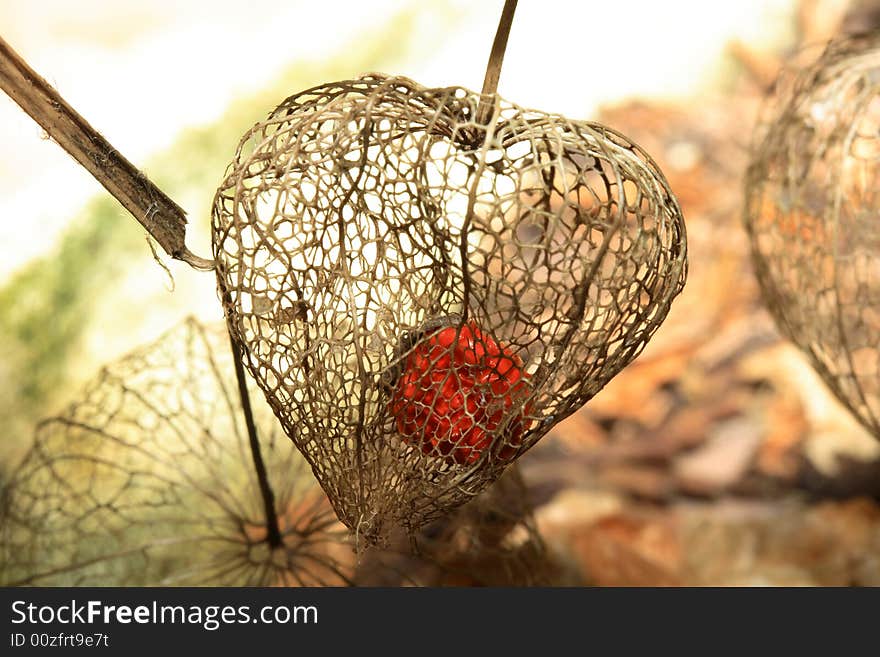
x=492 y=540
x=147 y=479
x=812 y=203
x=422 y=293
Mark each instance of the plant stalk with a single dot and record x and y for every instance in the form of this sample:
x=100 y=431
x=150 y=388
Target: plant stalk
x=273 y=530
x=163 y=219
x=496 y=59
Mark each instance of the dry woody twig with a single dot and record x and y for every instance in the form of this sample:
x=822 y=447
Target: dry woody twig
x=163 y=219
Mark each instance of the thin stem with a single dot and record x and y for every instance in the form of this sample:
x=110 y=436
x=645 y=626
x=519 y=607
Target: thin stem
x=273 y=531
x=496 y=58
x=164 y=220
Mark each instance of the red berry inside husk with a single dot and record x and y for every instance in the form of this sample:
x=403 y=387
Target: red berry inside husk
x=457 y=389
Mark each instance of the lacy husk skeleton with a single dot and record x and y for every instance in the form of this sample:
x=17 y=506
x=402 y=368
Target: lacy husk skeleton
x=361 y=217
x=812 y=195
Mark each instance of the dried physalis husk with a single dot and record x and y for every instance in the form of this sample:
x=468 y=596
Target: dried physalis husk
x=422 y=294
x=812 y=203
x=147 y=479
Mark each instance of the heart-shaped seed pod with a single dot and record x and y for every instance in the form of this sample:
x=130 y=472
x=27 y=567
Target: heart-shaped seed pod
x=422 y=294
x=812 y=203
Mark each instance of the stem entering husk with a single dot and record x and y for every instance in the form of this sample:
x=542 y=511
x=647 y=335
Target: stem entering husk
x=496 y=58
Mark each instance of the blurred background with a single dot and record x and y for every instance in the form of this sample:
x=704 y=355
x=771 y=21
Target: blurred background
x=718 y=457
